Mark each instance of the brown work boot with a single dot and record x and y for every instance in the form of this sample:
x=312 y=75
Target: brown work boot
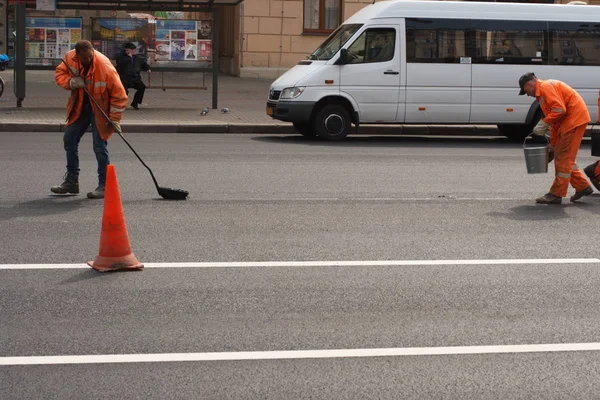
x=96 y=194
x=549 y=198
x=580 y=193
x=69 y=186
x=590 y=171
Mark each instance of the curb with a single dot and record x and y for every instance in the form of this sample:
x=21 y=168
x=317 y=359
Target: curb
x=464 y=130
x=433 y=130
x=30 y=127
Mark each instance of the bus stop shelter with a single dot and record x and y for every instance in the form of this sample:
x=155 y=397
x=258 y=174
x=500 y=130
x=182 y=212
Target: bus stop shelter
x=212 y=7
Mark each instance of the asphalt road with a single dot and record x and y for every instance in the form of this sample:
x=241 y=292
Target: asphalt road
x=268 y=198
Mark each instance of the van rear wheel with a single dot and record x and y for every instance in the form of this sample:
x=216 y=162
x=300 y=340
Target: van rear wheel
x=515 y=132
x=518 y=132
x=332 y=122
x=304 y=129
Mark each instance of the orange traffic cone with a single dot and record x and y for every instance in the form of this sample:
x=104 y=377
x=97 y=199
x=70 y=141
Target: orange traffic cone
x=115 y=251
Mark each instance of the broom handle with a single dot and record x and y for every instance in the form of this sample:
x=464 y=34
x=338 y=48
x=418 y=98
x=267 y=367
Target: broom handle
x=109 y=121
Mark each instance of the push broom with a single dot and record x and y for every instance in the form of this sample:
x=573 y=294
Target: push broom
x=165 y=193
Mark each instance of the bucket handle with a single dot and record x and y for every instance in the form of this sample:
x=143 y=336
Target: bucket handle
x=531 y=136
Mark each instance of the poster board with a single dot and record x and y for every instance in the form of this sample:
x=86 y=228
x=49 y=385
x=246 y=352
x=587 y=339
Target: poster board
x=182 y=40
x=50 y=37
x=109 y=35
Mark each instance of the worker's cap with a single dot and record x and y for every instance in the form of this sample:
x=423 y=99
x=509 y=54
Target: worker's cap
x=129 y=45
x=524 y=79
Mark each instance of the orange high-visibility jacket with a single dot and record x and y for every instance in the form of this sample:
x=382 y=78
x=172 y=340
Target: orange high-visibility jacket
x=103 y=83
x=563 y=107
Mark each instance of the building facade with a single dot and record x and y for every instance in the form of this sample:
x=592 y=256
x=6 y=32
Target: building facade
x=264 y=38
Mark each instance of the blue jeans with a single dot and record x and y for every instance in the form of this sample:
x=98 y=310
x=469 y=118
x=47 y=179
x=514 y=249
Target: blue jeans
x=73 y=134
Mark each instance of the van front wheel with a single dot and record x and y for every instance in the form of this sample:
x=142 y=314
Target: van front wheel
x=332 y=122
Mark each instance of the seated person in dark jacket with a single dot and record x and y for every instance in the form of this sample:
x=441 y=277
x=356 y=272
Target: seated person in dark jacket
x=129 y=66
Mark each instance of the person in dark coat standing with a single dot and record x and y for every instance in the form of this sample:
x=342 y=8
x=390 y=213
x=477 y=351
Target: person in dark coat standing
x=129 y=66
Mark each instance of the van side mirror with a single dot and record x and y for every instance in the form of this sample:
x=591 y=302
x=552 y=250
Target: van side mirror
x=343 y=60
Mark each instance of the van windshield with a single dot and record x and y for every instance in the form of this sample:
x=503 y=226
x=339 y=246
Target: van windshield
x=335 y=42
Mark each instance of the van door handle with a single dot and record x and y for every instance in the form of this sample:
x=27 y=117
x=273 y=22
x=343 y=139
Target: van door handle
x=391 y=73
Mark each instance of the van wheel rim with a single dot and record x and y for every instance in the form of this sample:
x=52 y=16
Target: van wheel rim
x=334 y=124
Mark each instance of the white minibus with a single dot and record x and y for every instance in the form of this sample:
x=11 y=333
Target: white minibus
x=440 y=62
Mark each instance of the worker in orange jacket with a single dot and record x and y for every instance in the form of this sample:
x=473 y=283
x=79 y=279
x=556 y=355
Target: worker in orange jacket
x=91 y=69
x=593 y=170
x=567 y=117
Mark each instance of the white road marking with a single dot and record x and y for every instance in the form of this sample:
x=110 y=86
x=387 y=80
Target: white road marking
x=297 y=354
x=439 y=198
x=285 y=264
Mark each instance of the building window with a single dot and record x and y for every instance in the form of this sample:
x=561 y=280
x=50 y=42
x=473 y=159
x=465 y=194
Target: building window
x=321 y=16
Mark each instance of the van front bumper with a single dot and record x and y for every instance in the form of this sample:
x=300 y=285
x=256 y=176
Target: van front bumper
x=290 y=111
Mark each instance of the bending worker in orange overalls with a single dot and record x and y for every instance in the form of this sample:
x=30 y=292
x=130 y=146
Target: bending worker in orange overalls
x=567 y=117
x=593 y=170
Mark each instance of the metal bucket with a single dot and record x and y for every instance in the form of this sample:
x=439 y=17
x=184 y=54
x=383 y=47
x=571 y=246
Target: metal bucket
x=595 y=143
x=536 y=157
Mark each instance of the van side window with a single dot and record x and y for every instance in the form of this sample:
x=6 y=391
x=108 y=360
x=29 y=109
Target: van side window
x=510 y=42
x=373 y=45
x=435 y=40
x=483 y=41
x=574 y=43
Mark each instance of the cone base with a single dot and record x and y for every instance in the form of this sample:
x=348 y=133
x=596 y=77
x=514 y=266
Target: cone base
x=106 y=264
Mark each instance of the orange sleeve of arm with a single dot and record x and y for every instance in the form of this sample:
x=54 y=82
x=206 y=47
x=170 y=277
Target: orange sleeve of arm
x=118 y=96
x=62 y=76
x=554 y=102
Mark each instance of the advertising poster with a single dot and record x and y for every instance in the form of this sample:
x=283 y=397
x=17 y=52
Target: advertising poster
x=50 y=37
x=177 y=50
x=75 y=35
x=162 y=35
x=204 y=29
x=162 y=51
x=64 y=36
x=109 y=35
x=180 y=40
x=191 y=49
x=204 y=50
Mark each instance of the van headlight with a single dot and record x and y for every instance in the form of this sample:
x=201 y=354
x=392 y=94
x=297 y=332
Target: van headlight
x=291 y=92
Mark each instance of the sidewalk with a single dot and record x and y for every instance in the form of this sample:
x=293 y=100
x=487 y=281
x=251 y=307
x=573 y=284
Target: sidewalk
x=178 y=110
